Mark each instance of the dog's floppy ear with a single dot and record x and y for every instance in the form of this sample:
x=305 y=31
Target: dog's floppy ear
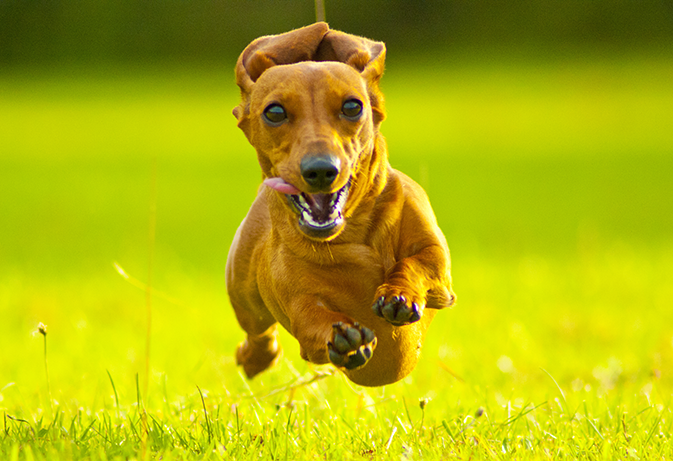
x=366 y=56
x=272 y=50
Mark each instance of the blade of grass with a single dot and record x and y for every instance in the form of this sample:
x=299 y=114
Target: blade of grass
x=23 y=421
x=406 y=409
x=205 y=413
x=115 y=391
x=448 y=431
x=523 y=412
x=143 y=286
x=143 y=419
x=85 y=432
x=590 y=423
x=652 y=429
x=563 y=396
x=287 y=431
x=390 y=439
x=355 y=432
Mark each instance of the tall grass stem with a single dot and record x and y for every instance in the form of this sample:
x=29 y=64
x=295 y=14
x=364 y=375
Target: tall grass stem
x=42 y=329
x=150 y=267
x=115 y=391
x=320 y=10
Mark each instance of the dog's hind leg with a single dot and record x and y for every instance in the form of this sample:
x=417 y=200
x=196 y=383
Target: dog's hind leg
x=257 y=353
x=261 y=348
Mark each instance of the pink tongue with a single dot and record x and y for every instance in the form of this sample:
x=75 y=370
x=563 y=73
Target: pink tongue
x=280 y=185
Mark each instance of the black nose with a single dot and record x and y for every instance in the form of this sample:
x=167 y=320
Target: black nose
x=319 y=172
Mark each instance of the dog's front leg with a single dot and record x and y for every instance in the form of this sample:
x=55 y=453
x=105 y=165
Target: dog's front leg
x=414 y=283
x=327 y=336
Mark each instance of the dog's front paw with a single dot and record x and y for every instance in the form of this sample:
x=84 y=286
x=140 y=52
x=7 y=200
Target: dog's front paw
x=351 y=346
x=398 y=310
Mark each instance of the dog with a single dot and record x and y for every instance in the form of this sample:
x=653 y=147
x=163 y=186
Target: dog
x=339 y=248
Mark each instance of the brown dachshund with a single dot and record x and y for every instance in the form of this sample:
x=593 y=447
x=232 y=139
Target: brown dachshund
x=339 y=248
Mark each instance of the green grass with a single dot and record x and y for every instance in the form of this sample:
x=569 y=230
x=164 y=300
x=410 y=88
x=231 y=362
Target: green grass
x=551 y=181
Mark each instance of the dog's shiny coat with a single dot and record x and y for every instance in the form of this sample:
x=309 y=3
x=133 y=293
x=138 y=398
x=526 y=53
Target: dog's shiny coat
x=339 y=248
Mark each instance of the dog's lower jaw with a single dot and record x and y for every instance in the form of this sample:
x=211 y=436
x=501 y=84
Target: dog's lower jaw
x=322 y=235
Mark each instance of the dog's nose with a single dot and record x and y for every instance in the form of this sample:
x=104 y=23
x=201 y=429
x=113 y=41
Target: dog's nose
x=319 y=172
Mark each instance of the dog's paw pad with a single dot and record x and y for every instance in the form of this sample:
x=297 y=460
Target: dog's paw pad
x=351 y=346
x=397 y=310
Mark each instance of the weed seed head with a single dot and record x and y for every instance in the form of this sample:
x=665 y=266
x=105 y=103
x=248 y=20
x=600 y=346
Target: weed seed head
x=42 y=329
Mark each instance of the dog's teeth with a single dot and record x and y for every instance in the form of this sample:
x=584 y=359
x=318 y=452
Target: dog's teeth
x=311 y=212
x=338 y=200
x=308 y=218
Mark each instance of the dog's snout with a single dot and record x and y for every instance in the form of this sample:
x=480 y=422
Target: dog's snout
x=319 y=172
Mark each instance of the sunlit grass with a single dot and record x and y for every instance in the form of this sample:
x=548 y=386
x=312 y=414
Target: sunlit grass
x=551 y=182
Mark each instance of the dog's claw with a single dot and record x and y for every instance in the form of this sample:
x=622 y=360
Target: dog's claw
x=397 y=311
x=351 y=346
x=369 y=337
x=378 y=304
x=415 y=313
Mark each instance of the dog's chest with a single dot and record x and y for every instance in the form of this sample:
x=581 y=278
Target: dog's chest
x=348 y=286
x=346 y=281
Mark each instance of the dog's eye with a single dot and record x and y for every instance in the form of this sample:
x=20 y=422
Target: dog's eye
x=352 y=109
x=275 y=114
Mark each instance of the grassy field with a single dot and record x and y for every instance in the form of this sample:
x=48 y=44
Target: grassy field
x=550 y=179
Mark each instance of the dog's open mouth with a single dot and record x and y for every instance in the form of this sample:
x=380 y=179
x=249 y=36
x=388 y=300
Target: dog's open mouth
x=320 y=212
x=320 y=215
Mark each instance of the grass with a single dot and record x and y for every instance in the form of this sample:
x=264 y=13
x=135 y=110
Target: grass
x=550 y=180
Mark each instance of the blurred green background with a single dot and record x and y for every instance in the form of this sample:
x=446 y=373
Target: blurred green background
x=215 y=30
x=541 y=131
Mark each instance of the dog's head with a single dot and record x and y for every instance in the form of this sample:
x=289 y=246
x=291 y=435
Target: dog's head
x=311 y=107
